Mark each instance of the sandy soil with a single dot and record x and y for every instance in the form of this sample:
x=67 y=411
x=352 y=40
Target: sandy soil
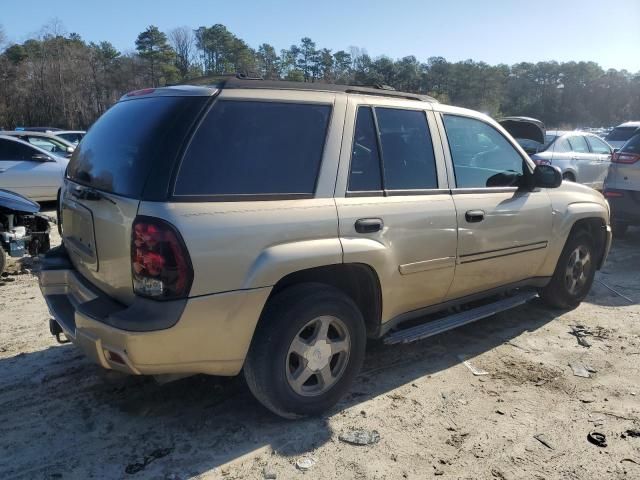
x=63 y=417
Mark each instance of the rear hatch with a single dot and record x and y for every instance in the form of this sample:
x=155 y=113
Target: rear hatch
x=624 y=172
x=529 y=132
x=128 y=155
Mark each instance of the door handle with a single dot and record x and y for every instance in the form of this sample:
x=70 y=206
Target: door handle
x=369 y=225
x=474 y=216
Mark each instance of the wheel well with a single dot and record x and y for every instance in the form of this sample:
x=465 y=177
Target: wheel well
x=596 y=229
x=569 y=175
x=357 y=280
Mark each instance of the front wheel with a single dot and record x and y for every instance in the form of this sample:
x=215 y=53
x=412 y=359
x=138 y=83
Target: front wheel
x=307 y=349
x=574 y=273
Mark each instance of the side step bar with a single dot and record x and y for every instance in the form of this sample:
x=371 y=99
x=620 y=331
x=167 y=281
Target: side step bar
x=457 y=319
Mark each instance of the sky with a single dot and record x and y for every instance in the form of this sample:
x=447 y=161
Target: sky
x=494 y=31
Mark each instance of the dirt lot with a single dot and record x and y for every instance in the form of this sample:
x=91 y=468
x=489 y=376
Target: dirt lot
x=62 y=417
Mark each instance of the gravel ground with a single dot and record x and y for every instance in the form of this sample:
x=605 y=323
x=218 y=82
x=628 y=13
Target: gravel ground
x=528 y=417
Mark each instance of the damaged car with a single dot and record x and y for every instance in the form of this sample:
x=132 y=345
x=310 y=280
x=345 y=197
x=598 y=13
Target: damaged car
x=23 y=230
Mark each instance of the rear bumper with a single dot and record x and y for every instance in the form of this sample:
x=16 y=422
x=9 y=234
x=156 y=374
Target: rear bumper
x=210 y=334
x=625 y=205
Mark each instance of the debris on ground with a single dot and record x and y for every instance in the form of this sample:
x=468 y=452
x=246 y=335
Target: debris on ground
x=579 y=370
x=305 y=463
x=543 y=440
x=360 y=437
x=615 y=291
x=268 y=474
x=155 y=455
x=475 y=370
x=580 y=332
x=598 y=439
x=633 y=432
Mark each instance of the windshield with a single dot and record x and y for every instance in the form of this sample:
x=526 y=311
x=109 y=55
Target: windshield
x=120 y=150
x=49 y=144
x=621 y=134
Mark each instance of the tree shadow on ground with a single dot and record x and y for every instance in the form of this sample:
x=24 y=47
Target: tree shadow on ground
x=200 y=422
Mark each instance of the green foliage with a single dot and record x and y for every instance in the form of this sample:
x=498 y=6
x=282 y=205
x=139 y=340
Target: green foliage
x=61 y=80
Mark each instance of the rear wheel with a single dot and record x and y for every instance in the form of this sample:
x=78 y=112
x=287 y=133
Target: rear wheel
x=568 y=176
x=574 y=273
x=306 y=351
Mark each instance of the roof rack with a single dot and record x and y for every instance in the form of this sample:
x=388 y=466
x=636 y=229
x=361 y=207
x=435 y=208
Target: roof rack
x=249 y=79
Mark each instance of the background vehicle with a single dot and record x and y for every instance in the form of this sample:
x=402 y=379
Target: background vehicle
x=528 y=132
x=29 y=170
x=271 y=227
x=622 y=187
x=37 y=129
x=72 y=136
x=582 y=157
x=22 y=229
x=46 y=141
x=622 y=133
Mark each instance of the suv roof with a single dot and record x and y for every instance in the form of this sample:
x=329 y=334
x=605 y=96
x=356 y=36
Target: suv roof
x=629 y=124
x=206 y=86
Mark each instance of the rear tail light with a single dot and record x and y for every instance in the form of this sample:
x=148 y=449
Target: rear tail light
x=624 y=157
x=541 y=161
x=160 y=264
x=612 y=194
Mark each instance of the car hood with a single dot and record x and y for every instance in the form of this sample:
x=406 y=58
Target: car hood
x=524 y=127
x=14 y=202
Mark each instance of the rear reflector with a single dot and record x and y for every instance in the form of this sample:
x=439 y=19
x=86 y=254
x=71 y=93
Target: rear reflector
x=624 y=157
x=612 y=194
x=160 y=264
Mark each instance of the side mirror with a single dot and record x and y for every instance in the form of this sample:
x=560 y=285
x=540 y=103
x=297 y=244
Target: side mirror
x=41 y=157
x=547 y=176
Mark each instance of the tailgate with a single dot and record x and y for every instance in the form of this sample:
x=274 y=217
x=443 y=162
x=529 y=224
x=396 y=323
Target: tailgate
x=97 y=234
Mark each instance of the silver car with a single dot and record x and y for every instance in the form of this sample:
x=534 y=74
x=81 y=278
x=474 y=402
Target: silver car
x=45 y=140
x=30 y=170
x=622 y=187
x=583 y=157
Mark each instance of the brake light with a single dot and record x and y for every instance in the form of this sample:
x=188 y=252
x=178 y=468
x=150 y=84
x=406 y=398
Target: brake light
x=541 y=161
x=160 y=263
x=612 y=194
x=624 y=157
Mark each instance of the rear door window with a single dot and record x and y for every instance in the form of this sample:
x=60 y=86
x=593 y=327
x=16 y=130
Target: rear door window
x=365 y=174
x=407 y=150
x=578 y=144
x=10 y=150
x=255 y=148
x=598 y=146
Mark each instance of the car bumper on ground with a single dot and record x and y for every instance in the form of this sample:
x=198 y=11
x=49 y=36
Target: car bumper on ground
x=210 y=334
x=624 y=204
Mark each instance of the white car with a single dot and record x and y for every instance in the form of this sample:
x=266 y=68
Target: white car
x=72 y=136
x=623 y=132
x=30 y=170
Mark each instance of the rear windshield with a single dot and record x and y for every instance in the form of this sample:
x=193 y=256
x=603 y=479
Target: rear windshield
x=255 y=148
x=633 y=145
x=621 y=134
x=118 y=152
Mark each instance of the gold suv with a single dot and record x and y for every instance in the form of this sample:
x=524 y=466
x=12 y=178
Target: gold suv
x=272 y=227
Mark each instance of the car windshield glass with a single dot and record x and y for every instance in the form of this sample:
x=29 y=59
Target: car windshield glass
x=548 y=140
x=122 y=147
x=621 y=134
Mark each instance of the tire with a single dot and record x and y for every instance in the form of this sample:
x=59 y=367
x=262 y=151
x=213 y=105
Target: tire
x=619 y=229
x=3 y=260
x=574 y=273
x=568 y=176
x=293 y=322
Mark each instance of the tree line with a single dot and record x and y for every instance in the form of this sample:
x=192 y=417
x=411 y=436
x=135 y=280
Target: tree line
x=59 y=79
